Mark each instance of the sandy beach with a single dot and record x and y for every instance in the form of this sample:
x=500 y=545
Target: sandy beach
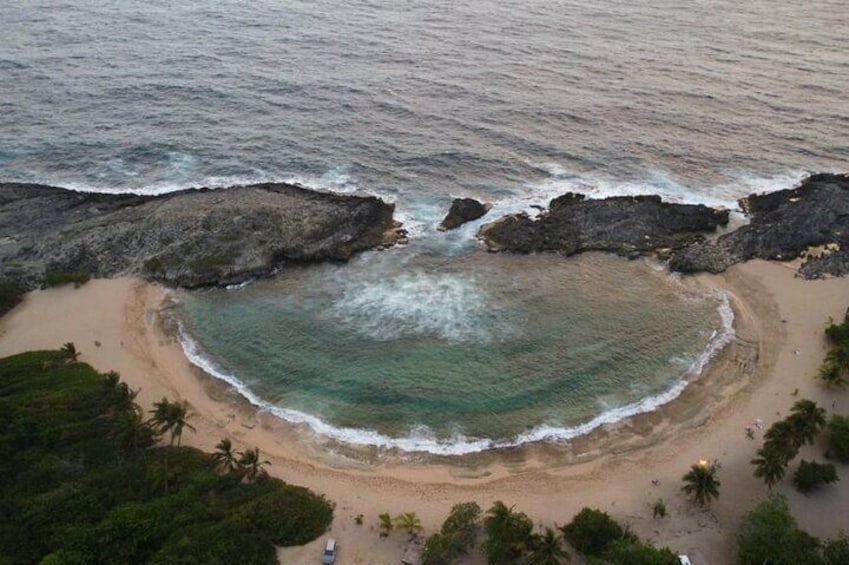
x=622 y=468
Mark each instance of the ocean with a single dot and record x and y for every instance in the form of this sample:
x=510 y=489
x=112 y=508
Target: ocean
x=437 y=346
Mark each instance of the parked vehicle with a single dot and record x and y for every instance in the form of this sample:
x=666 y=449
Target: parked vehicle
x=331 y=549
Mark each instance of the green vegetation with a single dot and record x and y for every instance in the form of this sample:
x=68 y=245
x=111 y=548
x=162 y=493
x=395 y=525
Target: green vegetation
x=770 y=465
x=836 y=364
x=69 y=353
x=659 y=509
x=837 y=550
x=838 y=445
x=806 y=420
x=812 y=475
x=769 y=534
x=384 y=524
x=784 y=438
x=701 y=483
x=631 y=551
x=60 y=278
x=456 y=536
x=10 y=295
x=508 y=534
x=409 y=522
x=547 y=549
x=591 y=531
x=599 y=537
x=81 y=480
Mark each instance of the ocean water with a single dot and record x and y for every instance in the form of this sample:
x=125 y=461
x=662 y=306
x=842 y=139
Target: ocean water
x=456 y=356
x=419 y=102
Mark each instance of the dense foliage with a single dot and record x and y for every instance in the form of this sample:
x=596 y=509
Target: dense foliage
x=509 y=534
x=82 y=482
x=784 y=438
x=769 y=535
x=838 y=445
x=59 y=278
x=599 y=537
x=456 y=536
x=812 y=475
x=836 y=365
x=631 y=551
x=10 y=295
x=591 y=531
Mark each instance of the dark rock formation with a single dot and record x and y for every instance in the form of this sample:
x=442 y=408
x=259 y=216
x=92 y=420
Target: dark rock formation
x=628 y=225
x=463 y=210
x=191 y=238
x=783 y=226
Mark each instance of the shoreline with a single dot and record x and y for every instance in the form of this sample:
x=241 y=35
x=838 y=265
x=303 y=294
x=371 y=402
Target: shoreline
x=360 y=439
x=779 y=343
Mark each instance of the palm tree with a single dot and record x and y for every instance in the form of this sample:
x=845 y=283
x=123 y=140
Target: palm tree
x=250 y=464
x=408 y=521
x=807 y=420
x=831 y=372
x=508 y=534
x=547 y=549
x=770 y=465
x=782 y=437
x=701 y=482
x=171 y=417
x=69 y=353
x=130 y=431
x=122 y=397
x=224 y=457
x=385 y=524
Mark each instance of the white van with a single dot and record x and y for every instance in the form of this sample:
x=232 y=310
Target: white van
x=330 y=550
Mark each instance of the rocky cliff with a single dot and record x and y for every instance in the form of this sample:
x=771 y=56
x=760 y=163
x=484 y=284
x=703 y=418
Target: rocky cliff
x=190 y=238
x=811 y=220
x=629 y=225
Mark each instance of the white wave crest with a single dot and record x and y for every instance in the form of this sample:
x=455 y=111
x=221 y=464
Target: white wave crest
x=411 y=304
x=421 y=439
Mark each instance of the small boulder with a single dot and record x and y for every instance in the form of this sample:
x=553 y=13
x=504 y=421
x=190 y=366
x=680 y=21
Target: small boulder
x=463 y=210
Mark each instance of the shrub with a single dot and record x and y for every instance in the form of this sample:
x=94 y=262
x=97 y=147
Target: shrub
x=508 y=534
x=10 y=295
x=836 y=551
x=626 y=551
x=439 y=549
x=290 y=515
x=768 y=534
x=592 y=531
x=838 y=446
x=836 y=363
x=59 y=278
x=456 y=536
x=812 y=475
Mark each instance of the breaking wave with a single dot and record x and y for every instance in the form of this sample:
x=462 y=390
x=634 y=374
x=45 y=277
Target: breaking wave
x=422 y=439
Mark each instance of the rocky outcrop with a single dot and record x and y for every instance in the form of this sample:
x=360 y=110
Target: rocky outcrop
x=463 y=210
x=628 y=225
x=190 y=238
x=784 y=225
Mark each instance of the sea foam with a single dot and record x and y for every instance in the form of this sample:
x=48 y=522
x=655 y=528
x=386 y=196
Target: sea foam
x=421 y=438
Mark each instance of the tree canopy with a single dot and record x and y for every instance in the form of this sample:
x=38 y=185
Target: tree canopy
x=81 y=481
